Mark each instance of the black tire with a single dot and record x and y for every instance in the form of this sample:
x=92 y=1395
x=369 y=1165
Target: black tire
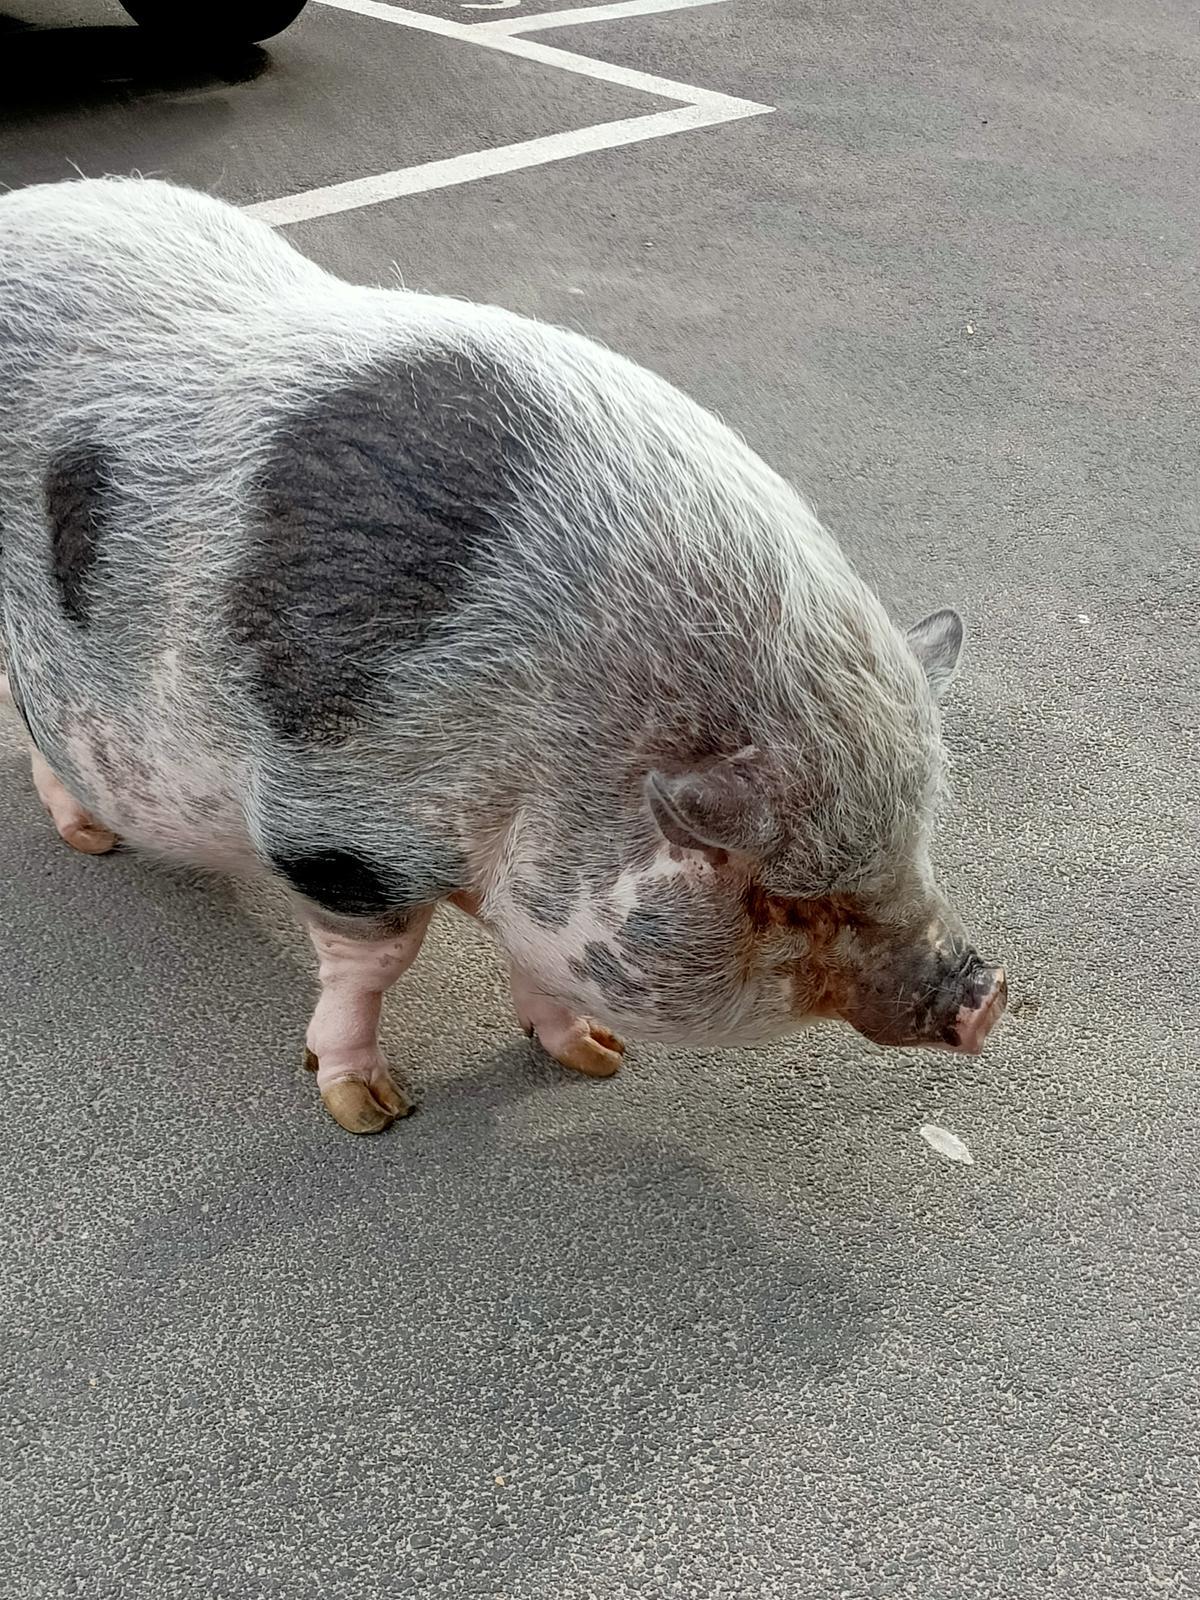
x=214 y=22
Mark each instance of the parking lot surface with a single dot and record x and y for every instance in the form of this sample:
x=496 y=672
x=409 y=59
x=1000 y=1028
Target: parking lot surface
x=724 y=1325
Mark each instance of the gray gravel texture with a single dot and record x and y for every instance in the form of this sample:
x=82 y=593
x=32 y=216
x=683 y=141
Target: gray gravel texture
x=723 y=1326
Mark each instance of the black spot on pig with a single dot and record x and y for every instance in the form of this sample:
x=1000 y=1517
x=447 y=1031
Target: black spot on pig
x=371 y=515
x=79 y=503
x=618 y=986
x=339 y=881
x=349 y=884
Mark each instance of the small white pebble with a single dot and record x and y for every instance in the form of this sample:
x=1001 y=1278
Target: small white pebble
x=946 y=1144
x=1083 y=617
x=970 y=327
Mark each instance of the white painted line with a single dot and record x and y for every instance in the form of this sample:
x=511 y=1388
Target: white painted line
x=695 y=108
x=548 y=56
x=582 y=14
x=335 y=197
x=406 y=19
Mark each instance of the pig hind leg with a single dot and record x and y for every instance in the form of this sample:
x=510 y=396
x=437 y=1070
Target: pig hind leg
x=75 y=826
x=81 y=831
x=343 y=1036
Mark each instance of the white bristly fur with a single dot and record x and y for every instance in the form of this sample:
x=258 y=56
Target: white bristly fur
x=650 y=595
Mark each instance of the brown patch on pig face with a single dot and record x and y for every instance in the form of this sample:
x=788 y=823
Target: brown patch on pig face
x=804 y=935
x=900 y=974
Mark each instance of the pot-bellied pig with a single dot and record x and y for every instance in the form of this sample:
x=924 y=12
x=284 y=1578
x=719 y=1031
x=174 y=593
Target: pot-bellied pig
x=404 y=601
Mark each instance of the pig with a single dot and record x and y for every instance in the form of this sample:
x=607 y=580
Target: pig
x=402 y=601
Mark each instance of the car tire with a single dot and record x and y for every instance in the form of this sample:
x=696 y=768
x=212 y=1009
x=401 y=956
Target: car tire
x=214 y=22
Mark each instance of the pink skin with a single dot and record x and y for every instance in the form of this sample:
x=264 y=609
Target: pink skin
x=573 y=1041
x=81 y=831
x=974 y=1024
x=343 y=1036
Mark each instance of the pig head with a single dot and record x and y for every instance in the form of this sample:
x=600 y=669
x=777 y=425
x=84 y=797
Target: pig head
x=841 y=916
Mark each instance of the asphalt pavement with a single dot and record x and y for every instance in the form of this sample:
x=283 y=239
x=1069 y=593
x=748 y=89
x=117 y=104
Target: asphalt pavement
x=725 y=1325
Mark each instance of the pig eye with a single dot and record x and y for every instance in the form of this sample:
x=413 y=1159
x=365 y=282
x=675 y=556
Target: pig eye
x=822 y=919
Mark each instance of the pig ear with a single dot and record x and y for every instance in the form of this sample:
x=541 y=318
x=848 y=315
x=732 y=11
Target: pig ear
x=720 y=808
x=937 y=643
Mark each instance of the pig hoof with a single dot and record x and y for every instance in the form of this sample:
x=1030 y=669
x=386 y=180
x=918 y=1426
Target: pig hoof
x=360 y=1106
x=88 y=837
x=75 y=827
x=586 y=1048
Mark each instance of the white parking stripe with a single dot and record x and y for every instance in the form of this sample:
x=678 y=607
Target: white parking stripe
x=488 y=37
x=372 y=191
x=696 y=108
x=581 y=14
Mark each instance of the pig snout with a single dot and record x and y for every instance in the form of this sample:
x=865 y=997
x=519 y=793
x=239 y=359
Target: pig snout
x=973 y=1005
x=931 y=990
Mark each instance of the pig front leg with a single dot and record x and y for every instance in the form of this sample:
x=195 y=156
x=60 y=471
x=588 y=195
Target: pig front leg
x=343 y=1036
x=573 y=1041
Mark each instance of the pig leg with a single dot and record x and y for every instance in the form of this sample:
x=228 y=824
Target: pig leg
x=343 y=1036
x=74 y=825
x=575 y=1042
x=79 y=830
x=572 y=1041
